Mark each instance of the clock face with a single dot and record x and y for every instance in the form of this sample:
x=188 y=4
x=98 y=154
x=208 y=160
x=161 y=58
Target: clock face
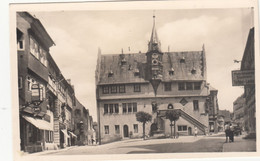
x=155 y=55
x=155 y=62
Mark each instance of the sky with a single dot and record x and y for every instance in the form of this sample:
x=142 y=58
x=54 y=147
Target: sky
x=79 y=34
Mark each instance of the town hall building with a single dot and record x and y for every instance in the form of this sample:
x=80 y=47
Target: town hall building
x=154 y=82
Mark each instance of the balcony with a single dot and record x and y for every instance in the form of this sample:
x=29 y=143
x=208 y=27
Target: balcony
x=37 y=67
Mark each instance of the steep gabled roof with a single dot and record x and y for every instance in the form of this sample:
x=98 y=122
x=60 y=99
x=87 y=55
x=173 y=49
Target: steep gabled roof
x=136 y=62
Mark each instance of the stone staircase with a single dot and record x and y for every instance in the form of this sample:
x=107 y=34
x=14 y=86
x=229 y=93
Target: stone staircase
x=192 y=120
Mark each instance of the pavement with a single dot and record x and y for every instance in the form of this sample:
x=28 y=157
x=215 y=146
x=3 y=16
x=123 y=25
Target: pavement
x=211 y=143
x=240 y=145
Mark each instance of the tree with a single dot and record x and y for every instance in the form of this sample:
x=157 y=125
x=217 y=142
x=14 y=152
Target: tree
x=143 y=117
x=173 y=115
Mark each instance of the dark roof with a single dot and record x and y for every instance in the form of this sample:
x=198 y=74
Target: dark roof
x=38 y=29
x=247 y=62
x=137 y=61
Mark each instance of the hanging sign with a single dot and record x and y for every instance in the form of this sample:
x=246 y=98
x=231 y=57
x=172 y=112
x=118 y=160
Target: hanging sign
x=35 y=92
x=241 y=78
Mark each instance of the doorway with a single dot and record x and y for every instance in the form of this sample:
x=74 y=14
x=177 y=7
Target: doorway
x=189 y=131
x=126 y=133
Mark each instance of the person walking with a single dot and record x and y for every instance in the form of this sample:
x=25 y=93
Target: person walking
x=227 y=131
x=231 y=133
x=195 y=131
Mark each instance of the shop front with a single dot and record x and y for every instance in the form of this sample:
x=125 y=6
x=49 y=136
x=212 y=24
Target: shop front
x=33 y=134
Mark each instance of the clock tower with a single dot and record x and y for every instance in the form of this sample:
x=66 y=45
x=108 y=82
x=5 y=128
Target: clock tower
x=154 y=59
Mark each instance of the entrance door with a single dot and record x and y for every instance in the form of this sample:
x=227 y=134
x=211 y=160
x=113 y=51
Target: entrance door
x=189 y=131
x=153 y=128
x=211 y=126
x=126 y=131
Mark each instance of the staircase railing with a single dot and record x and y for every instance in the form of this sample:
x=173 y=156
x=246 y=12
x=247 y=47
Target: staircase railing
x=191 y=119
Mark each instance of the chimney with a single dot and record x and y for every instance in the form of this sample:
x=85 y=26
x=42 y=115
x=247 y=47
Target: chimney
x=69 y=81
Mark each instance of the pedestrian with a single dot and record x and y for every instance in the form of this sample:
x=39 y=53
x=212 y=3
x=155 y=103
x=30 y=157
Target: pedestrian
x=195 y=131
x=231 y=133
x=92 y=141
x=227 y=131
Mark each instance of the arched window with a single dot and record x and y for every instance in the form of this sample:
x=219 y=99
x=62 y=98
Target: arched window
x=170 y=106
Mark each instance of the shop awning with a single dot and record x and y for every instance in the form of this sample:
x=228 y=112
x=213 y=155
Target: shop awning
x=65 y=133
x=39 y=123
x=72 y=134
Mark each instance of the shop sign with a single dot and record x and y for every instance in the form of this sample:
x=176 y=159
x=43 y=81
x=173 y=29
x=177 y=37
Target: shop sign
x=241 y=78
x=35 y=92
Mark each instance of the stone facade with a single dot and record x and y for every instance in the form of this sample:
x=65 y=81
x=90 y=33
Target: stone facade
x=46 y=98
x=238 y=109
x=248 y=64
x=154 y=82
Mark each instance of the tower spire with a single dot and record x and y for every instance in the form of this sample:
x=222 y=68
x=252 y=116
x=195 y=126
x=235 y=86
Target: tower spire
x=154 y=43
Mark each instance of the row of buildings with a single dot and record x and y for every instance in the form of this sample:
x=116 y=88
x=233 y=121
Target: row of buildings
x=51 y=117
x=244 y=106
x=154 y=82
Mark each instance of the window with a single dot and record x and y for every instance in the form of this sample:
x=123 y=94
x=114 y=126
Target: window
x=135 y=128
x=20 y=45
x=114 y=89
x=167 y=86
x=182 y=128
x=41 y=56
x=34 y=48
x=195 y=105
x=189 y=86
x=124 y=107
x=171 y=71
x=134 y=107
x=181 y=86
x=31 y=46
x=137 y=88
x=111 y=108
x=117 y=131
x=121 y=88
x=47 y=136
x=105 y=108
x=154 y=106
x=44 y=55
x=197 y=85
x=105 y=89
x=182 y=60
x=193 y=71
x=170 y=106
x=110 y=74
x=29 y=84
x=106 y=129
x=129 y=107
x=116 y=108
x=20 y=82
x=136 y=73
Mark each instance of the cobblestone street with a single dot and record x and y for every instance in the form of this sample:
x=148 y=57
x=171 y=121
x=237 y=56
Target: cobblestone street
x=213 y=143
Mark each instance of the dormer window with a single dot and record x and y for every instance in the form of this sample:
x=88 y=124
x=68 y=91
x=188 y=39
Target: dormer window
x=193 y=71
x=171 y=71
x=182 y=60
x=123 y=61
x=129 y=67
x=110 y=74
x=136 y=73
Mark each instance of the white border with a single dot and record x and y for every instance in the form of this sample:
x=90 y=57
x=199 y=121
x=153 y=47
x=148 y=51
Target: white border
x=144 y=5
